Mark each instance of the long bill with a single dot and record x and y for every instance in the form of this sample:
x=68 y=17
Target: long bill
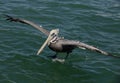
x=53 y=33
x=43 y=46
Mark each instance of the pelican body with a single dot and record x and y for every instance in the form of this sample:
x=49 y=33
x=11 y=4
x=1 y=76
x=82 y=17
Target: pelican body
x=56 y=43
x=60 y=47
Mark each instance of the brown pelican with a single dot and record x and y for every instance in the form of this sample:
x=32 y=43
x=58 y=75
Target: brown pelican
x=56 y=43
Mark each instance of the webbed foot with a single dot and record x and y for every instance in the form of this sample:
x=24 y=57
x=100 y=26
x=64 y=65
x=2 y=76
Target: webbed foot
x=53 y=57
x=58 y=60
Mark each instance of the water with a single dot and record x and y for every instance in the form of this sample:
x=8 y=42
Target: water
x=95 y=22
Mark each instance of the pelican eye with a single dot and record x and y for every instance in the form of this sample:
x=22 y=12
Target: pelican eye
x=53 y=34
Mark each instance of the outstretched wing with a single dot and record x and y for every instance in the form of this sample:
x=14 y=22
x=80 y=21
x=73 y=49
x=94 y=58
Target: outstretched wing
x=27 y=22
x=92 y=48
x=85 y=46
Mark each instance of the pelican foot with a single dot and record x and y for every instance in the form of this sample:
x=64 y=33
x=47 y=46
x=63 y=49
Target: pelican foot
x=58 y=60
x=53 y=57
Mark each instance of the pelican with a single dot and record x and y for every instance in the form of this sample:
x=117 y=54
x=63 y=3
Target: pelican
x=56 y=43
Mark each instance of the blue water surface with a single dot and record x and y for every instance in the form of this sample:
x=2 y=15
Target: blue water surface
x=95 y=22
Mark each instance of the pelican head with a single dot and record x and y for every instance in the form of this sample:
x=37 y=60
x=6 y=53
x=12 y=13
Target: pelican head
x=53 y=33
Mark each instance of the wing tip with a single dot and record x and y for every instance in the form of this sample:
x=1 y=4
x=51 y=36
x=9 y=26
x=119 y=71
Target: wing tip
x=12 y=19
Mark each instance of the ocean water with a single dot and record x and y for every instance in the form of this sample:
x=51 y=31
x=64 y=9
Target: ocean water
x=95 y=22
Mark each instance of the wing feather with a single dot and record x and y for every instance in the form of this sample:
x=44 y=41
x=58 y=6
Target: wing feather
x=40 y=28
x=85 y=46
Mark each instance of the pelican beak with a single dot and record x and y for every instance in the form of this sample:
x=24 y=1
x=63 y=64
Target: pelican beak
x=55 y=31
x=43 y=46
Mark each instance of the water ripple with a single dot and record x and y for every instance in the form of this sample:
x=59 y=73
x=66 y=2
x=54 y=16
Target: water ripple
x=95 y=22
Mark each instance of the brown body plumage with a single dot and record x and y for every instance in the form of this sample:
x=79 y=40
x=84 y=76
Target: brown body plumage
x=59 y=44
